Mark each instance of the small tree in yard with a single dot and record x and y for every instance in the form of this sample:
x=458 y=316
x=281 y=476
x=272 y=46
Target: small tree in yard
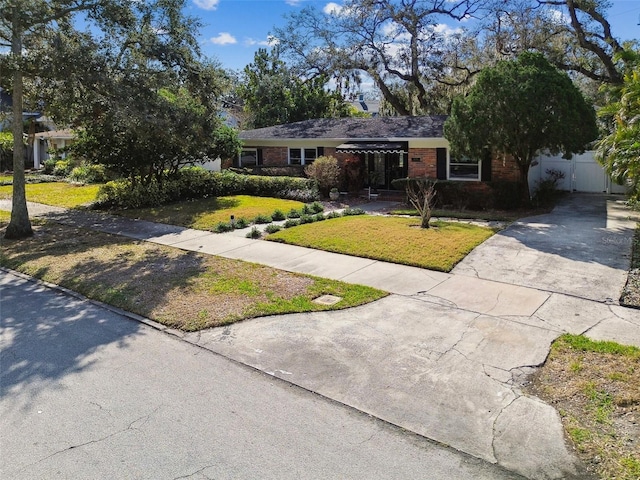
x=422 y=193
x=519 y=108
x=326 y=172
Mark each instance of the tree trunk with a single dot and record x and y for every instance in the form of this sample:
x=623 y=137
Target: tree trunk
x=19 y=225
x=524 y=180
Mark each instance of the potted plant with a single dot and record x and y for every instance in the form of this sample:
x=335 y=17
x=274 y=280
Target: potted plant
x=334 y=194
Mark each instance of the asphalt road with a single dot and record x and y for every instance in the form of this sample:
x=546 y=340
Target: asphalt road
x=86 y=393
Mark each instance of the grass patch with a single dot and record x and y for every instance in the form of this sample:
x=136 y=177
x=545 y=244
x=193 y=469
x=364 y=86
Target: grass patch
x=59 y=194
x=184 y=290
x=599 y=402
x=390 y=239
x=488 y=215
x=205 y=214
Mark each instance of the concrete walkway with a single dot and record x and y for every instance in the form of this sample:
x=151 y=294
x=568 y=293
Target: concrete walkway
x=447 y=355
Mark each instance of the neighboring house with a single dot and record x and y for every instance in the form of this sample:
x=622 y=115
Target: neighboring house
x=363 y=105
x=387 y=148
x=46 y=142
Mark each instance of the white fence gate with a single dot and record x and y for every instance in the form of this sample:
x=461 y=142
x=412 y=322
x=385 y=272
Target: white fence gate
x=581 y=174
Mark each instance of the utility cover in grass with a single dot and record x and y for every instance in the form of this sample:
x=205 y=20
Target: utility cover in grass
x=327 y=300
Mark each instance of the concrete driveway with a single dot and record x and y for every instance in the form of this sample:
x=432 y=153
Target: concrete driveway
x=582 y=248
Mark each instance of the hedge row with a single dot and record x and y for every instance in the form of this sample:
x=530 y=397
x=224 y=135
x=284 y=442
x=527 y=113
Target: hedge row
x=194 y=183
x=502 y=195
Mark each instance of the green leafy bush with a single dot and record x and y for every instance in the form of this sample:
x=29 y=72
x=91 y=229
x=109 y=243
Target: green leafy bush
x=318 y=217
x=326 y=173
x=316 y=207
x=307 y=219
x=195 y=182
x=241 y=223
x=352 y=211
x=272 y=228
x=292 y=222
x=333 y=214
x=293 y=213
x=546 y=192
x=222 y=227
x=278 y=215
x=48 y=166
x=63 y=168
x=254 y=233
x=89 y=174
x=262 y=219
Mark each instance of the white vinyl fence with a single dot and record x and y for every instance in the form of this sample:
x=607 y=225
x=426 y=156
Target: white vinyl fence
x=581 y=174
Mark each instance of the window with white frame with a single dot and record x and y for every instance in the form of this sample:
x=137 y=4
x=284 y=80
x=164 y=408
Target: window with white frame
x=464 y=168
x=302 y=156
x=248 y=157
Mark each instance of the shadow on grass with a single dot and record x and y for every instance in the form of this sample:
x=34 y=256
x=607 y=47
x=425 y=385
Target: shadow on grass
x=117 y=270
x=184 y=213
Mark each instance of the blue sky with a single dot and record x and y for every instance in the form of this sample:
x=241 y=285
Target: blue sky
x=235 y=29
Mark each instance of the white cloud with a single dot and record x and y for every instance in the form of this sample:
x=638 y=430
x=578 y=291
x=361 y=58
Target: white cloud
x=224 y=38
x=333 y=8
x=293 y=3
x=446 y=30
x=269 y=42
x=558 y=17
x=207 y=4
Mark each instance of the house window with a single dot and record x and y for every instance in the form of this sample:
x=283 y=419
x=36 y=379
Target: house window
x=302 y=156
x=464 y=168
x=248 y=157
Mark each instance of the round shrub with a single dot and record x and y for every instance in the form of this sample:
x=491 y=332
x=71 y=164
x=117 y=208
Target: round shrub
x=272 y=228
x=261 y=219
x=278 y=215
x=222 y=227
x=89 y=174
x=293 y=213
x=242 y=223
x=352 y=211
x=254 y=233
x=307 y=219
x=292 y=222
x=326 y=172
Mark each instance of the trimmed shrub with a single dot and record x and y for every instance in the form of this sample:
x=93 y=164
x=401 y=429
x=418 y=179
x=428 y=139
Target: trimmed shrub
x=316 y=207
x=293 y=213
x=262 y=219
x=307 y=219
x=506 y=195
x=195 y=182
x=222 y=227
x=242 y=223
x=254 y=233
x=272 y=228
x=352 y=211
x=278 y=215
x=319 y=217
x=292 y=222
x=333 y=214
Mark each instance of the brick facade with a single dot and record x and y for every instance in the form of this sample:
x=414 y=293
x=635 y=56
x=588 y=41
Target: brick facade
x=504 y=168
x=425 y=166
x=275 y=156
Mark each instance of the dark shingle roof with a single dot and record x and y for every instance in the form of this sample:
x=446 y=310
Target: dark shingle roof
x=353 y=128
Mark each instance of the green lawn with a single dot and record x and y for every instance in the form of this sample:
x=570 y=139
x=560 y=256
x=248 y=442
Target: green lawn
x=204 y=214
x=390 y=239
x=60 y=194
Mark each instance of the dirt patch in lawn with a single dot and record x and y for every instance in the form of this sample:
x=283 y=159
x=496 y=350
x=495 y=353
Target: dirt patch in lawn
x=184 y=290
x=595 y=386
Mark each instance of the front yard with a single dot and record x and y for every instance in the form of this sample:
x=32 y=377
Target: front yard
x=390 y=239
x=60 y=194
x=183 y=290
